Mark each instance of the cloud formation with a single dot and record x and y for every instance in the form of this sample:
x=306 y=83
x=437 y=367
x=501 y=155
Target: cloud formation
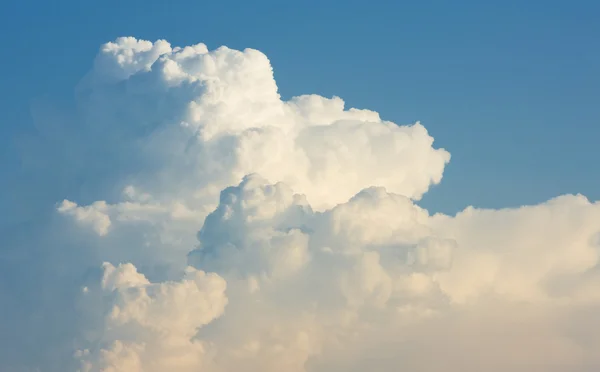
x=225 y=229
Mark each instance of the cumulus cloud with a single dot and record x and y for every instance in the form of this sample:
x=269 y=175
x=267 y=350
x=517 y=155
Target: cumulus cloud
x=208 y=118
x=225 y=229
x=151 y=326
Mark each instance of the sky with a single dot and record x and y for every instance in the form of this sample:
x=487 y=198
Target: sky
x=310 y=187
x=510 y=89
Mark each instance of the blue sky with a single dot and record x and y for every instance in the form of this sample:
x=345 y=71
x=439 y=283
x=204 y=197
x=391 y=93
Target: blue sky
x=509 y=88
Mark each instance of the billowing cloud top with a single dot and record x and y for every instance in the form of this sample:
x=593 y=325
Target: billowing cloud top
x=250 y=233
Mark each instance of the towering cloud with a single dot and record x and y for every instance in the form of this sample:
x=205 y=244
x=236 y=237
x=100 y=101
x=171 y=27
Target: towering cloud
x=225 y=229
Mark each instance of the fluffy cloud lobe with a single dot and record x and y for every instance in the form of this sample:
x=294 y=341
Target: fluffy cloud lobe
x=241 y=231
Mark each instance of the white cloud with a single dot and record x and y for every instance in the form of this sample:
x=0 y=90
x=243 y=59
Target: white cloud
x=529 y=253
x=208 y=118
x=151 y=326
x=251 y=233
x=93 y=215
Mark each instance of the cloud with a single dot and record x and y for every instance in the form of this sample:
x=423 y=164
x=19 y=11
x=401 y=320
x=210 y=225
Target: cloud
x=221 y=228
x=151 y=326
x=93 y=215
x=216 y=116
